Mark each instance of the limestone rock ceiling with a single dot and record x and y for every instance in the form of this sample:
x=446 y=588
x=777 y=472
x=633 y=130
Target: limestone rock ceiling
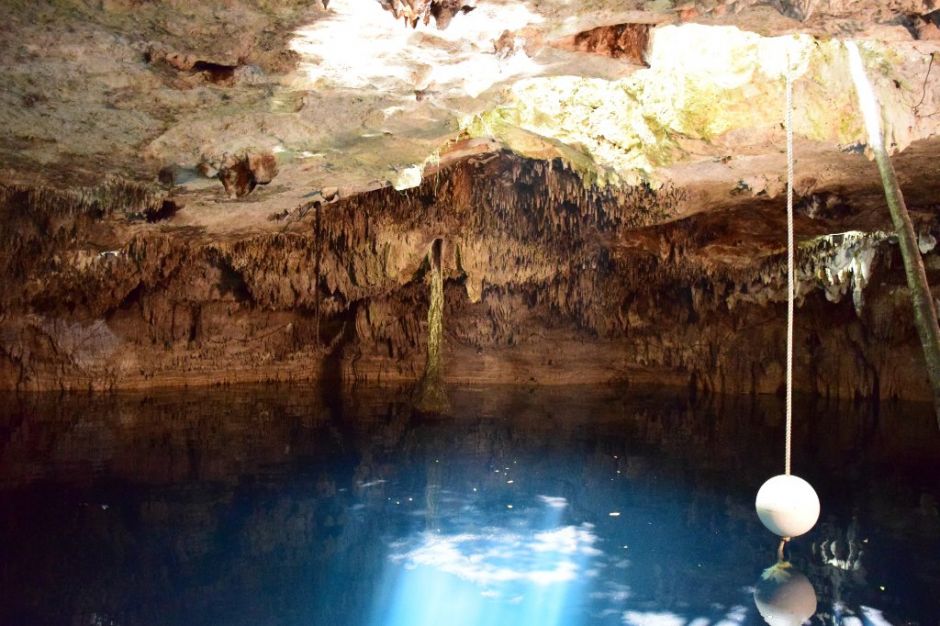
x=335 y=98
x=247 y=190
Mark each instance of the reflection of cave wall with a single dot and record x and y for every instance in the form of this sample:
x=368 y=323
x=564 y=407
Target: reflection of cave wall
x=239 y=507
x=546 y=281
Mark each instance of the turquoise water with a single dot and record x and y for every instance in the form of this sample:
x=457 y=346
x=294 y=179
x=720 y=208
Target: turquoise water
x=526 y=507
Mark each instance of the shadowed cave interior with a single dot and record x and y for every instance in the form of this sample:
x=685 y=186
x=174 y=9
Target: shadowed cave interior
x=381 y=312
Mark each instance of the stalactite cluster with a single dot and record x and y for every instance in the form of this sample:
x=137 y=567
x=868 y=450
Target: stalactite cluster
x=542 y=279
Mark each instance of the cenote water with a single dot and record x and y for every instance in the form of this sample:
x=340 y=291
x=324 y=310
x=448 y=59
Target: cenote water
x=526 y=507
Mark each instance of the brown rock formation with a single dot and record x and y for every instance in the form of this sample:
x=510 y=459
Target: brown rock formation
x=224 y=192
x=414 y=11
x=546 y=281
x=622 y=41
x=242 y=173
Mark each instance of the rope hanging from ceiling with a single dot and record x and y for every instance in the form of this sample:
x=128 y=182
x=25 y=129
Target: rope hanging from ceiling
x=786 y=504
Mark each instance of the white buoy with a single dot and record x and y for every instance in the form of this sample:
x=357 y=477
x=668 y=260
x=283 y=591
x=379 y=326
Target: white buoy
x=787 y=505
x=789 y=601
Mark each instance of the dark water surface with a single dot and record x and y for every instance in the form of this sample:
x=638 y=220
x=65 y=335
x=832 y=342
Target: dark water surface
x=541 y=507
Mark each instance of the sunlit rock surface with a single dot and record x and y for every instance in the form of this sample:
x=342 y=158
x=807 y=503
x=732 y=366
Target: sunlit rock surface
x=247 y=191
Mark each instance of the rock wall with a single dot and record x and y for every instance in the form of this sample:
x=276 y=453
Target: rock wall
x=546 y=281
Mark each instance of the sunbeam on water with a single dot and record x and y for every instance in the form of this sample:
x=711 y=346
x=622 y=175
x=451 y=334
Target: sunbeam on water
x=556 y=507
x=529 y=575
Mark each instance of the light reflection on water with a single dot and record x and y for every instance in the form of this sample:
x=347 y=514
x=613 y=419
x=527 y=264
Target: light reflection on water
x=532 y=573
x=548 y=507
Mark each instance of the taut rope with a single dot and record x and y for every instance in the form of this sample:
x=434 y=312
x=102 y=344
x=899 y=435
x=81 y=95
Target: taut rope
x=791 y=295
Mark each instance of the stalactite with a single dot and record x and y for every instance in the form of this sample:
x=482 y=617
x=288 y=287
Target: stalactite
x=318 y=232
x=542 y=257
x=431 y=396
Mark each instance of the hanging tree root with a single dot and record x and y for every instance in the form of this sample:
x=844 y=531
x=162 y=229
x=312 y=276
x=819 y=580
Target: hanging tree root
x=925 y=312
x=430 y=394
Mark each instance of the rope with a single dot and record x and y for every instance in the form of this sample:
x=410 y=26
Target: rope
x=790 y=286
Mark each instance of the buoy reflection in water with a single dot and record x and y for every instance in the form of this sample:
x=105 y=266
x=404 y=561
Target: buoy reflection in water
x=784 y=596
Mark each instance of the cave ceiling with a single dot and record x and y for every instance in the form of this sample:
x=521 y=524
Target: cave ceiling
x=248 y=190
x=237 y=111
